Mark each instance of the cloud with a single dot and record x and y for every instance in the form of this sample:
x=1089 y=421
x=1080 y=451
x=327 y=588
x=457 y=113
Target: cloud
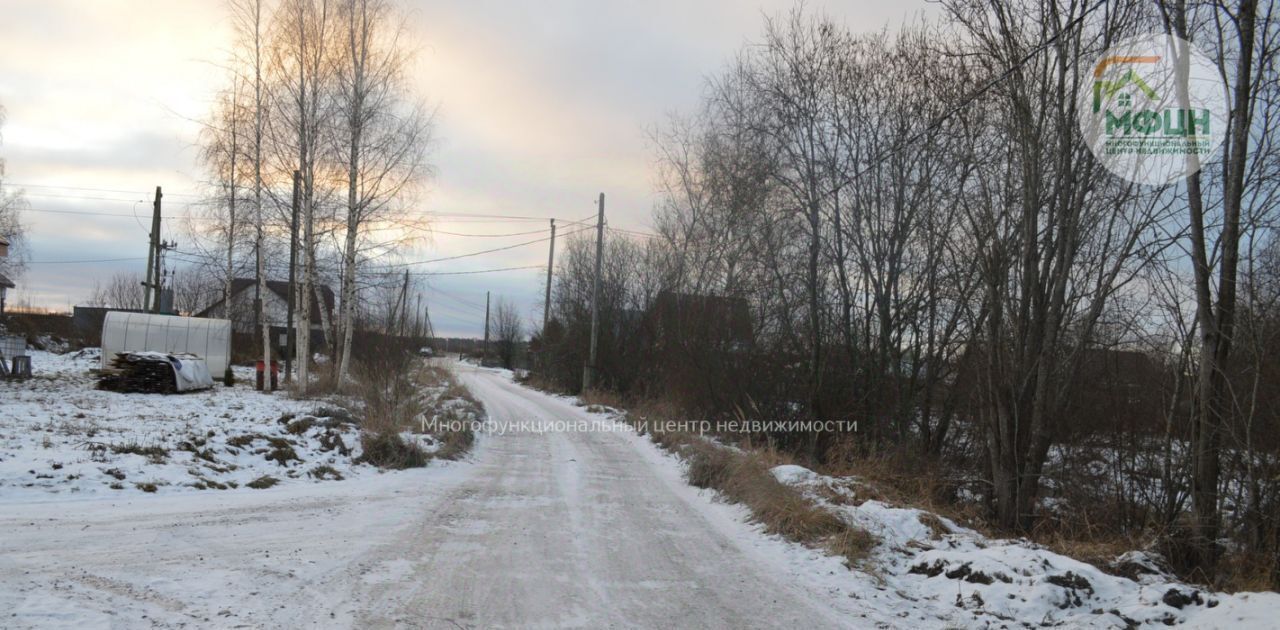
x=542 y=105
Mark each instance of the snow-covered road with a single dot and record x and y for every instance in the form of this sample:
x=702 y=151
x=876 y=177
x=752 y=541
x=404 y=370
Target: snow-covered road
x=537 y=529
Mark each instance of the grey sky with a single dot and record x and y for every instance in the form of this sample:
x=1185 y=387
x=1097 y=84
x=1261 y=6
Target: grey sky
x=542 y=106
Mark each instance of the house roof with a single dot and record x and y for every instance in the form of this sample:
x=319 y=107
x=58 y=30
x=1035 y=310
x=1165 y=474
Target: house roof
x=702 y=315
x=281 y=289
x=5 y=281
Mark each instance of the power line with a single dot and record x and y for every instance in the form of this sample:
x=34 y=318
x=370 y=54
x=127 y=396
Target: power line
x=76 y=262
x=983 y=89
x=458 y=300
x=102 y=190
x=582 y=221
x=479 y=253
x=88 y=213
x=467 y=273
x=84 y=197
x=633 y=232
x=485 y=235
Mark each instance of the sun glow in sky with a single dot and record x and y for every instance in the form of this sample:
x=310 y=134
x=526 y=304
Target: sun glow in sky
x=542 y=105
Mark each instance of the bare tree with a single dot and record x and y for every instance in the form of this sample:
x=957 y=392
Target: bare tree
x=508 y=332
x=790 y=83
x=222 y=154
x=11 y=229
x=1053 y=248
x=122 y=291
x=302 y=51
x=1244 y=45
x=247 y=20
x=381 y=138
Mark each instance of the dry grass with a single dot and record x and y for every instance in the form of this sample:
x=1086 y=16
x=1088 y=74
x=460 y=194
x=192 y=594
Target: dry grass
x=263 y=482
x=392 y=405
x=325 y=471
x=602 y=398
x=540 y=382
x=155 y=453
x=1098 y=552
x=853 y=543
x=937 y=529
x=745 y=478
x=1251 y=572
x=454 y=444
x=300 y=426
x=905 y=478
x=387 y=449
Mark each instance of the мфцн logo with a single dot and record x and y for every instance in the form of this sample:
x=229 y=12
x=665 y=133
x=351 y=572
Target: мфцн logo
x=1155 y=109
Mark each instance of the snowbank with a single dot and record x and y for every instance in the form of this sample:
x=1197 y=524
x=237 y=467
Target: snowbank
x=61 y=437
x=991 y=581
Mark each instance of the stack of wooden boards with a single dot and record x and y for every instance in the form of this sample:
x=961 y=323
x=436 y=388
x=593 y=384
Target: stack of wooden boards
x=145 y=372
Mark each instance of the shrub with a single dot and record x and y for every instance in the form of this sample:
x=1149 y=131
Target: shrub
x=386 y=449
x=263 y=482
x=156 y=453
x=282 y=452
x=325 y=471
x=744 y=479
x=453 y=444
x=300 y=426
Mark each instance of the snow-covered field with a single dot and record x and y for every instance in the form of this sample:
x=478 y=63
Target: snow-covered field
x=61 y=437
x=543 y=529
x=936 y=562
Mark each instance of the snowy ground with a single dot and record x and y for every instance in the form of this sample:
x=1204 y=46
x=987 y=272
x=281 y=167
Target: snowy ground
x=539 y=528
x=59 y=436
x=939 y=564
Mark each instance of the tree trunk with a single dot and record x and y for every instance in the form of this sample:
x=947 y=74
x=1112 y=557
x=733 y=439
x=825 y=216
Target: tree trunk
x=1217 y=318
x=357 y=40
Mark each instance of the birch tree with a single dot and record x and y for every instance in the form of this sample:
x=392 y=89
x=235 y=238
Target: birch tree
x=247 y=21
x=380 y=142
x=223 y=145
x=301 y=65
x=11 y=229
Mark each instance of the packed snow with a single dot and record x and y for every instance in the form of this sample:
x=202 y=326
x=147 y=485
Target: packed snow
x=935 y=562
x=541 y=529
x=59 y=436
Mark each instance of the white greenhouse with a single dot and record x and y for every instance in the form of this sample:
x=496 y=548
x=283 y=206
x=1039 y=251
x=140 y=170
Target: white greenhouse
x=210 y=339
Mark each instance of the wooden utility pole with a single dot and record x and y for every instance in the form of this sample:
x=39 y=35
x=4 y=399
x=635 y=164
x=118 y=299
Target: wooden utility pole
x=404 y=303
x=157 y=295
x=588 y=373
x=430 y=332
x=290 y=335
x=485 y=352
x=152 y=248
x=417 y=318
x=551 y=259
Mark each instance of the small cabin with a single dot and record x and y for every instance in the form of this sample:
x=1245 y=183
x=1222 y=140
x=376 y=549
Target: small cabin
x=274 y=303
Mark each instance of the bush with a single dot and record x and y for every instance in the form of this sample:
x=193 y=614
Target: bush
x=263 y=482
x=386 y=449
x=745 y=478
x=155 y=453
